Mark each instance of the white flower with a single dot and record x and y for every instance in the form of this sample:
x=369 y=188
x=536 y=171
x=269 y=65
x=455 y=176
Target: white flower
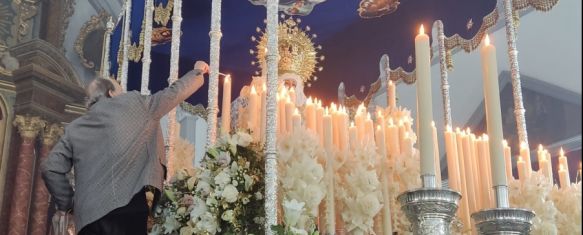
x=203 y=187
x=199 y=207
x=187 y=230
x=258 y=195
x=224 y=158
x=248 y=182
x=190 y=183
x=245 y=201
x=181 y=210
x=296 y=231
x=243 y=139
x=228 y=215
x=235 y=183
x=230 y=193
x=292 y=211
x=223 y=178
x=181 y=174
x=170 y=224
x=368 y=204
x=208 y=223
x=234 y=167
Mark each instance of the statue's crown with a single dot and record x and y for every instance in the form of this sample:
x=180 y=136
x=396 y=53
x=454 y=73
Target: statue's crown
x=297 y=52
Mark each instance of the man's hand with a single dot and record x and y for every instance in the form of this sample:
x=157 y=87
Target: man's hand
x=202 y=66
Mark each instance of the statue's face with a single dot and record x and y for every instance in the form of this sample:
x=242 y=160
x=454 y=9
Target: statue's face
x=290 y=84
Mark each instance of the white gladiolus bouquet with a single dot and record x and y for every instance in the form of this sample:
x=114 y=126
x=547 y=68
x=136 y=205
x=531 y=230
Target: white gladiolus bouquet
x=568 y=202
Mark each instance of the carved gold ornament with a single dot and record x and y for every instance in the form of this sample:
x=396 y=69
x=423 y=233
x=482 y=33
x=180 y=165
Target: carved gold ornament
x=297 y=52
x=377 y=8
x=52 y=133
x=28 y=126
x=95 y=23
x=196 y=110
x=162 y=13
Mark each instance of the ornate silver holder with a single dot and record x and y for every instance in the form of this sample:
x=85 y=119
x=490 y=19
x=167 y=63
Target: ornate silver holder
x=430 y=210
x=503 y=221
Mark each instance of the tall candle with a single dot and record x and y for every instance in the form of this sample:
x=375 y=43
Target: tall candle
x=550 y=166
x=297 y=120
x=489 y=188
x=226 y=107
x=483 y=171
x=525 y=154
x=282 y=115
x=381 y=149
x=292 y=96
x=475 y=168
x=540 y=154
x=353 y=135
x=465 y=202
x=452 y=160
x=393 y=139
x=507 y=159
x=564 y=176
x=310 y=114
x=543 y=165
x=493 y=112
x=263 y=112
x=359 y=121
x=327 y=128
x=343 y=128
x=319 y=127
x=369 y=130
x=424 y=106
x=436 y=155
x=563 y=161
x=469 y=174
x=392 y=102
x=521 y=166
x=252 y=113
x=289 y=109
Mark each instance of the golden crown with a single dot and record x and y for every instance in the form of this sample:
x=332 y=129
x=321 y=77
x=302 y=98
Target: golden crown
x=297 y=52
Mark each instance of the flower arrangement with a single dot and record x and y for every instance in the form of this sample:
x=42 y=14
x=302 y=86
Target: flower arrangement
x=568 y=203
x=301 y=179
x=224 y=197
x=535 y=194
x=359 y=192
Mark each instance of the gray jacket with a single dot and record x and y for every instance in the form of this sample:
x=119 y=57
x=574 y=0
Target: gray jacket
x=116 y=149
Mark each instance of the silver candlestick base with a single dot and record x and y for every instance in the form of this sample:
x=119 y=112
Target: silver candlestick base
x=503 y=221
x=430 y=210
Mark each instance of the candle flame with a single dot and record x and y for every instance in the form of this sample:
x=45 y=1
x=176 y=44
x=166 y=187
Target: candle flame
x=228 y=78
x=326 y=112
x=523 y=145
x=485 y=137
x=296 y=112
x=457 y=129
x=264 y=88
x=421 y=29
x=379 y=127
x=368 y=116
x=505 y=143
x=561 y=152
x=351 y=124
x=561 y=167
x=487 y=40
x=309 y=101
x=448 y=128
x=400 y=122
x=390 y=121
x=432 y=123
x=253 y=91
x=519 y=158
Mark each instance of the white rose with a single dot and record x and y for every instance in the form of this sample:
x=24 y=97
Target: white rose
x=222 y=178
x=203 y=187
x=296 y=231
x=368 y=204
x=187 y=230
x=245 y=200
x=207 y=223
x=228 y=215
x=190 y=183
x=243 y=139
x=258 y=195
x=230 y=193
x=292 y=211
x=248 y=182
x=181 y=211
x=198 y=209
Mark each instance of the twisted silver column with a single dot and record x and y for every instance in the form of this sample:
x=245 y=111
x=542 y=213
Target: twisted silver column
x=272 y=58
x=213 y=93
x=443 y=72
x=146 y=57
x=126 y=44
x=106 y=43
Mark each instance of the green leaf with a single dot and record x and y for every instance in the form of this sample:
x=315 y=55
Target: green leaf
x=170 y=195
x=213 y=153
x=278 y=229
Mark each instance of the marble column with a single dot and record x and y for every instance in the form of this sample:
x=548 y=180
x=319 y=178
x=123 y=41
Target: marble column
x=29 y=128
x=41 y=197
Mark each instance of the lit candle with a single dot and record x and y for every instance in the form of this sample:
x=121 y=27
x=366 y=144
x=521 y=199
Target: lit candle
x=330 y=211
x=507 y=159
x=483 y=171
x=469 y=173
x=540 y=153
x=297 y=120
x=282 y=109
x=392 y=95
x=359 y=120
x=292 y=96
x=563 y=161
x=521 y=166
x=252 y=113
x=310 y=114
x=464 y=211
x=381 y=150
x=550 y=166
x=353 y=134
x=436 y=155
x=319 y=116
x=493 y=112
x=525 y=154
x=263 y=113
x=393 y=139
x=289 y=110
x=226 y=109
x=369 y=129
x=424 y=106
x=327 y=127
x=543 y=165
x=406 y=145
x=452 y=160
x=343 y=128
x=563 y=176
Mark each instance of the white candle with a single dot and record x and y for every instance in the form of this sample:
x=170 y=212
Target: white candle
x=563 y=161
x=452 y=160
x=392 y=95
x=252 y=113
x=263 y=112
x=380 y=142
x=507 y=159
x=483 y=171
x=359 y=120
x=289 y=109
x=226 y=107
x=310 y=115
x=521 y=166
x=465 y=205
x=407 y=145
x=292 y=96
x=436 y=155
x=424 y=106
x=369 y=129
x=563 y=176
x=353 y=134
x=381 y=149
x=543 y=165
x=327 y=127
x=393 y=139
x=343 y=129
x=297 y=120
x=550 y=167
x=282 y=115
x=525 y=154
x=469 y=173
x=319 y=117
x=330 y=211
x=493 y=112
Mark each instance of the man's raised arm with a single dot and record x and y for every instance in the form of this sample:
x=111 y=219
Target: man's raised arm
x=165 y=100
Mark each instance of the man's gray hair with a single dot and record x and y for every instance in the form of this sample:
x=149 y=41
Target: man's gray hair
x=97 y=89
